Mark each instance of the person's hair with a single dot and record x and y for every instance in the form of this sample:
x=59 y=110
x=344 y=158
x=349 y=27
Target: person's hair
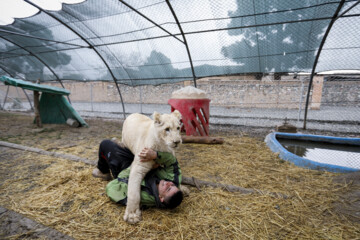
x=174 y=200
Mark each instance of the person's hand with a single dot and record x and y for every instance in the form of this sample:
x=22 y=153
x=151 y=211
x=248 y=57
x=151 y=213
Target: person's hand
x=147 y=154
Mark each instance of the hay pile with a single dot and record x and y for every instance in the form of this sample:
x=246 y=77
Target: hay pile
x=63 y=195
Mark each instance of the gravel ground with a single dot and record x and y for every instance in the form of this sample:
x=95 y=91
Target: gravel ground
x=14 y=225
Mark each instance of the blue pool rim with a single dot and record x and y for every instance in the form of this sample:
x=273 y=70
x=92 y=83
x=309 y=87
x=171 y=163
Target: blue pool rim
x=284 y=154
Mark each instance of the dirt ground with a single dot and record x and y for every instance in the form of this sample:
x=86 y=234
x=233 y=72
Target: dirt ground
x=44 y=197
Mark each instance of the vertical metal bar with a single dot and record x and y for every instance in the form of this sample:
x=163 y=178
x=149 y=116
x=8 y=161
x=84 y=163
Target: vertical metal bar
x=122 y=101
x=31 y=107
x=7 y=91
x=257 y=40
x=301 y=99
x=185 y=42
x=91 y=97
x=278 y=94
x=90 y=46
x=141 y=111
x=333 y=19
x=11 y=75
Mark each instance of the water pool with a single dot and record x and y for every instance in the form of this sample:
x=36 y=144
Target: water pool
x=317 y=152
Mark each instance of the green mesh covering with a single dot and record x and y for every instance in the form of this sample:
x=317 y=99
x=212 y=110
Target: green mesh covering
x=155 y=41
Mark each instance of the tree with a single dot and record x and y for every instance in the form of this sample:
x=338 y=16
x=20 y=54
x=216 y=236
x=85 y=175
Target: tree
x=28 y=65
x=282 y=47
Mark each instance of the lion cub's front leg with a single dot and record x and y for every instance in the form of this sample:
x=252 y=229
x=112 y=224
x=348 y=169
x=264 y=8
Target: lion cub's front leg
x=137 y=173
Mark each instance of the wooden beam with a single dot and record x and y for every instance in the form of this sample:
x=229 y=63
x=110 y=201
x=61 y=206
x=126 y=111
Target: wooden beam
x=202 y=140
x=36 y=109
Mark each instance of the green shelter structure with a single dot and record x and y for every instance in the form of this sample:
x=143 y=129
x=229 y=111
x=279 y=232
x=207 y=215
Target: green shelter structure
x=53 y=106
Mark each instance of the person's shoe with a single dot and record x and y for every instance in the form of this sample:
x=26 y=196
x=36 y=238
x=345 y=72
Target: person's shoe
x=98 y=174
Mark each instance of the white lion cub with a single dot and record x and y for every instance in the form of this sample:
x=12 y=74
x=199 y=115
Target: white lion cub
x=139 y=131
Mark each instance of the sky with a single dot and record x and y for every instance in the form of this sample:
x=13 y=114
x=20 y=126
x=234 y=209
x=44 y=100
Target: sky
x=10 y=9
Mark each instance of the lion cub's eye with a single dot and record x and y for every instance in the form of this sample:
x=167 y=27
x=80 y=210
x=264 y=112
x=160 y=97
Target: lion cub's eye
x=167 y=129
x=178 y=128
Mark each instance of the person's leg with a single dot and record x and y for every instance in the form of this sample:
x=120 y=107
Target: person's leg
x=113 y=158
x=104 y=153
x=103 y=169
x=120 y=159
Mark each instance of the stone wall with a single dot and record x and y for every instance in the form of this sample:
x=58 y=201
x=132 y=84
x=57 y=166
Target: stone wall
x=227 y=91
x=344 y=93
x=246 y=93
x=254 y=93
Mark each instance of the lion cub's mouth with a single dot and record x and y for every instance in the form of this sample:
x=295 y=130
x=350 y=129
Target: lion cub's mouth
x=175 y=144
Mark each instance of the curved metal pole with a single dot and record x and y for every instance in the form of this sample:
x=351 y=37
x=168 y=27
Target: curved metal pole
x=32 y=54
x=27 y=96
x=7 y=91
x=227 y=29
x=11 y=75
x=347 y=10
x=185 y=42
x=157 y=25
x=87 y=42
x=257 y=41
x=105 y=45
x=318 y=55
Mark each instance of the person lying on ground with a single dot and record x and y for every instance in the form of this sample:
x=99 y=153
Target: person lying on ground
x=160 y=187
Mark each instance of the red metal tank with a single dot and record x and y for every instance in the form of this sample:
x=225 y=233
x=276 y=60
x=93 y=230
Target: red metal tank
x=195 y=115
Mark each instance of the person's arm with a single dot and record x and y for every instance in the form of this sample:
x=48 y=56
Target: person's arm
x=169 y=169
x=163 y=158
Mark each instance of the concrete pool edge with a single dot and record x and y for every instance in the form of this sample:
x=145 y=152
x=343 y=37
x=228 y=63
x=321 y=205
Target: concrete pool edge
x=284 y=154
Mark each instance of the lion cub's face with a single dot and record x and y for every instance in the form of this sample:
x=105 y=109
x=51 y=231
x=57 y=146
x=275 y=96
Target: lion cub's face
x=168 y=128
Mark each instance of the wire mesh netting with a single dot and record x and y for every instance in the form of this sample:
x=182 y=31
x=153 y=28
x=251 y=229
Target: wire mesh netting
x=154 y=42
x=266 y=66
x=247 y=55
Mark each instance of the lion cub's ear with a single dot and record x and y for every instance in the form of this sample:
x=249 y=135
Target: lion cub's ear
x=156 y=117
x=177 y=114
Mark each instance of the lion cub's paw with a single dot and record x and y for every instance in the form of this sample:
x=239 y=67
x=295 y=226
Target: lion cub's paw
x=132 y=217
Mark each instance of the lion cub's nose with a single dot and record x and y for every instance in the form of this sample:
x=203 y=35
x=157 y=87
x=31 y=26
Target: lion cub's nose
x=176 y=143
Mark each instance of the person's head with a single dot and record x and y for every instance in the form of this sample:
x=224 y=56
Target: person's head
x=169 y=194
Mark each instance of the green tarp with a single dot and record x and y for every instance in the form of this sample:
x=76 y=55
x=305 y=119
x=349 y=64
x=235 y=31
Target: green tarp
x=34 y=86
x=53 y=106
